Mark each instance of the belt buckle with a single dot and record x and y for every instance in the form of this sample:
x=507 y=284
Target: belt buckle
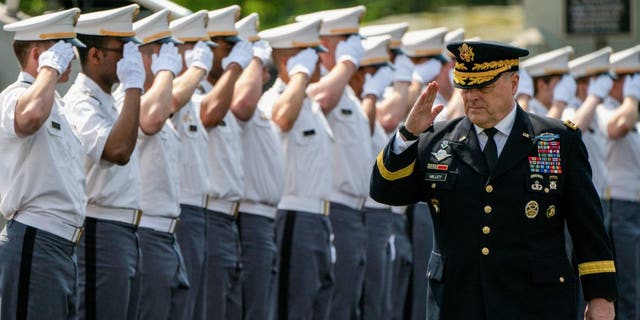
x=137 y=216
x=235 y=208
x=325 y=207
x=77 y=235
x=172 y=226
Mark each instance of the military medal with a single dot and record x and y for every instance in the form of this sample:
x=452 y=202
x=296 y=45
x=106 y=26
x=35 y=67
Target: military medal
x=531 y=209
x=440 y=155
x=551 y=211
x=548 y=159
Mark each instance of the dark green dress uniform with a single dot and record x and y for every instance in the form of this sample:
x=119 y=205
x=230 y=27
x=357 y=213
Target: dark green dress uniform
x=499 y=251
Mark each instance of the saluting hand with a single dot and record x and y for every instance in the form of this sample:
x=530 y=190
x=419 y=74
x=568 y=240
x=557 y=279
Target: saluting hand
x=599 y=309
x=423 y=113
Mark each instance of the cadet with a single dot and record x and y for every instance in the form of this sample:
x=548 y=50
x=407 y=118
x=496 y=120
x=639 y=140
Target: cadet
x=224 y=158
x=499 y=235
x=263 y=178
x=339 y=34
x=42 y=181
x=164 y=280
x=553 y=86
x=369 y=83
x=108 y=259
x=303 y=230
x=620 y=122
x=194 y=173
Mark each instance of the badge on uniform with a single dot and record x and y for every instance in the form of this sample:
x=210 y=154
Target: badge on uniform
x=442 y=153
x=55 y=125
x=193 y=128
x=531 y=209
x=548 y=159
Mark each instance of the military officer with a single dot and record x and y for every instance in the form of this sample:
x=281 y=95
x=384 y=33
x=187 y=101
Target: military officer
x=619 y=119
x=164 y=279
x=224 y=157
x=42 y=183
x=108 y=259
x=352 y=133
x=303 y=231
x=553 y=86
x=263 y=178
x=194 y=172
x=501 y=234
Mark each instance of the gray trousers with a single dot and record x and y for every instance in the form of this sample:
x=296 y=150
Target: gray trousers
x=351 y=254
x=379 y=267
x=625 y=234
x=38 y=274
x=164 y=279
x=110 y=267
x=422 y=240
x=305 y=268
x=223 y=267
x=191 y=236
x=402 y=268
x=258 y=240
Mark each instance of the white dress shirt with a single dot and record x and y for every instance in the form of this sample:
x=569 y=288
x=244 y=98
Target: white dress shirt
x=42 y=181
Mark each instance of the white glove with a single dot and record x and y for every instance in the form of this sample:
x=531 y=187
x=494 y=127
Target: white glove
x=427 y=71
x=168 y=59
x=200 y=56
x=262 y=51
x=350 y=50
x=404 y=68
x=525 y=85
x=242 y=53
x=57 y=57
x=631 y=87
x=130 y=69
x=305 y=61
x=600 y=86
x=565 y=89
x=377 y=83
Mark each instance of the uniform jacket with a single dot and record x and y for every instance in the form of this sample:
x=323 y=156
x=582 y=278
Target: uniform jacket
x=499 y=251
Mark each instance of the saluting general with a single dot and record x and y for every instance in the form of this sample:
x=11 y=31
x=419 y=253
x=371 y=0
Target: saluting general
x=501 y=185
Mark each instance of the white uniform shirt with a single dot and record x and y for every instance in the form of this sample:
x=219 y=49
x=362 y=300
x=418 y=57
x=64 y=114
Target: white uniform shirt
x=351 y=150
x=225 y=157
x=536 y=107
x=623 y=158
x=194 y=171
x=440 y=100
x=307 y=151
x=596 y=143
x=41 y=175
x=92 y=114
x=263 y=162
x=159 y=169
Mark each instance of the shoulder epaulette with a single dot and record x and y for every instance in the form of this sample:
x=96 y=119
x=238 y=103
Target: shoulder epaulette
x=571 y=125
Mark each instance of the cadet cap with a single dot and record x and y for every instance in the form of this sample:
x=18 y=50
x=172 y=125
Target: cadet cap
x=222 y=23
x=626 y=61
x=110 y=23
x=155 y=28
x=337 y=22
x=192 y=28
x=295 y=35
x=594 y=63
x=248 y=27
x=51 y=26
x=555 y=62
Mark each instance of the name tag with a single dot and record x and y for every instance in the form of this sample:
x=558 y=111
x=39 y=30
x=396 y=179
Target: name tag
x=346 y=112
x=55 y=125
x=193 y=128
x=307 y=133
x=436 y=176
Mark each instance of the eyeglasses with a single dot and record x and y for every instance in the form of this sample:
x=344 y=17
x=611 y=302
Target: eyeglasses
x=116 y=50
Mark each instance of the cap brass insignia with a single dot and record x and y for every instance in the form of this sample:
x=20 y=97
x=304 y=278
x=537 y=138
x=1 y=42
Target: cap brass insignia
x=531 y=209
x=466 y=53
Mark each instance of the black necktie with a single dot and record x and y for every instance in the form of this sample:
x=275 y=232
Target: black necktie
x=490 y=150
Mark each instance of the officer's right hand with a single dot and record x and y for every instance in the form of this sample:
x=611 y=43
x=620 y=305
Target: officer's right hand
x=525 y=85
x=350 y=50
x=200 y=56
x=427 y=71
x=168 y=59
x=57 y=57
x=423 y=112
x=600 y=86
x=403 y=69
x=631 y=87
x=130 y=69
x=303 y=62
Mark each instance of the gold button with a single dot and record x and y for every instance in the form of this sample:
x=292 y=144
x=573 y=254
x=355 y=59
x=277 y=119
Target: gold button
x=561 y=279
x=485 y=251
x=546 y=190
x=488 y=188
x=433 y=185
x=486 y=230
x=487 y=209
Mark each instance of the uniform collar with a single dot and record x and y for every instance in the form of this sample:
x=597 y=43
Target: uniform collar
x=505 y=125
x=25 y=77
x=92 y=89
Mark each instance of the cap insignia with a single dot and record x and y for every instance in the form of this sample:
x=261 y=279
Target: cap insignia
x=466 y=53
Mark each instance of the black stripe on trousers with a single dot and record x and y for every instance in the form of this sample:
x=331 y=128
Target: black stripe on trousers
x=90 y=269
x=25 y=272
x=285 y=264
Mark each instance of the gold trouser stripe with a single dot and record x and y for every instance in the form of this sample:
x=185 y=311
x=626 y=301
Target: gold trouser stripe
x=393 y=175
x=596 y=267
